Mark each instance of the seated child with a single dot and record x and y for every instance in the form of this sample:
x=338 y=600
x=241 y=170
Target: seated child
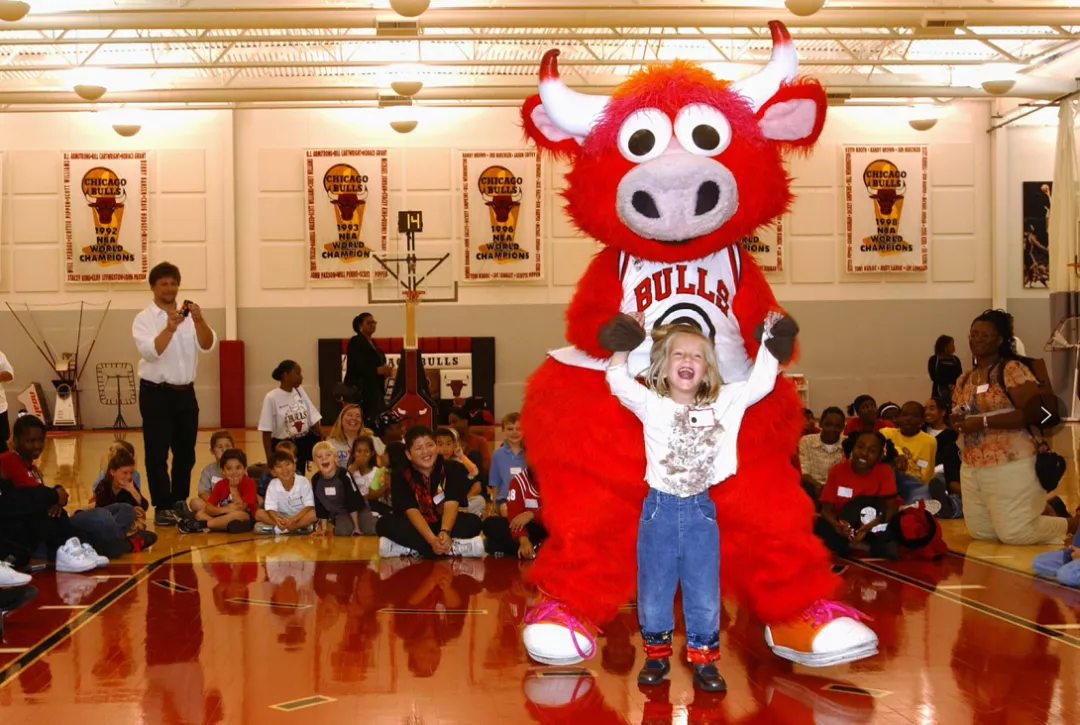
x=232 y=502
x=449 y=447
x=859 y=498
x=507 y=461
x=521 y=531
x=691 y=424
x=916 y=454
x=1063 y=564
x=267 y=476
x=361 y=463
x=119 y=510
x=337 y=499
x=113 y=448
x=220 y=442
x=289 y=504
x=378 y=495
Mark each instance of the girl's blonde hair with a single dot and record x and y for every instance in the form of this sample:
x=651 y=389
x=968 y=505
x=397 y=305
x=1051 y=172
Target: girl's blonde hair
x=337 y=434
x=663 y=339
x=324 y=446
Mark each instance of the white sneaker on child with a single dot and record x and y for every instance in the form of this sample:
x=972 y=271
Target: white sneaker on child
x=71 y=558
x=97 y=558
x=10 y=578
x=388 y=548
x=471 y=548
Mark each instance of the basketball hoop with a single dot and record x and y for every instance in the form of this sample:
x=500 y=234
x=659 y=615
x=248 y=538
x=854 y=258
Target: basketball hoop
x=412 y=296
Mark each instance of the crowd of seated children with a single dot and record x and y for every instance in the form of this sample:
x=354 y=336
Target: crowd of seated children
x=338 y=502
x=119 y=512
x=859 y=498
x=231 y=505
x=446 y=439
x=289 y=504
x=33 y=520
x=864 y=412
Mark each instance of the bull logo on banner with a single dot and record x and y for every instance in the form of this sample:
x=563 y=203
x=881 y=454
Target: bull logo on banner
x=886 y=184
x=347 y=190
x=502 y=194
x=105 y=193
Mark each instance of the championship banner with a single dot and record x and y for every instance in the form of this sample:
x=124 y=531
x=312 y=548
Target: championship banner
x=766 y=247
x=109 y=189
x=886 y=208
x=504 y=242
x=347 y=211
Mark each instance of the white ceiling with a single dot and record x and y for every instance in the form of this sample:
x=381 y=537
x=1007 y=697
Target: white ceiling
x=328 y=51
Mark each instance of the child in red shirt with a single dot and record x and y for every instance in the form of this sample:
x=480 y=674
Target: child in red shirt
x=521 y=532
x=232 y=503
x=859 y=498
x=865 y=416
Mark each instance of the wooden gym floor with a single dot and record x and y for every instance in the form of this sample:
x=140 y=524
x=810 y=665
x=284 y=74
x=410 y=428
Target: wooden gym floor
x=216 y=629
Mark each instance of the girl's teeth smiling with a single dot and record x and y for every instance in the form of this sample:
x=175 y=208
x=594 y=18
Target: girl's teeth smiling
x=686 y=373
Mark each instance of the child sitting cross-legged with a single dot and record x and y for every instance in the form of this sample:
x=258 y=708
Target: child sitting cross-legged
x=859 y=498
x=289 y=506
x=263 y=481
x=211 y=474
x=231 y=504
x=337 y=499
x=1063 y=564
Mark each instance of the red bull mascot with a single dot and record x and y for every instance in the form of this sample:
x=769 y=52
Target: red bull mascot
x=668 y=174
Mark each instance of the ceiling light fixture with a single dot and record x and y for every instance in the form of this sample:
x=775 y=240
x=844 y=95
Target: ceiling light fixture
x=403 y=126
x=88 y=91
x=409 y=8
x=407 y=88
x=12 y=10
x=127 y=130
x=922 y=124
x=803 y=8
x=998 y=87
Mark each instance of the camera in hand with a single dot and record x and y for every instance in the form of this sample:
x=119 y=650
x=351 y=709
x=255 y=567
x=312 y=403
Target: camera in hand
x=185 y=310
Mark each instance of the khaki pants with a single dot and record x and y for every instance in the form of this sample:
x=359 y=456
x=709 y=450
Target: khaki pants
x=1005 y=503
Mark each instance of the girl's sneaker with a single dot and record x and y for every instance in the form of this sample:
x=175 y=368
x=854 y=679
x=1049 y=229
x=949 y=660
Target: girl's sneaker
x=10 y=578
x=71 y=558
x=142 y=541
x=97 y=558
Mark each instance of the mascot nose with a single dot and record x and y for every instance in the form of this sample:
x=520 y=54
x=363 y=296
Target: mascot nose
x=676 y=197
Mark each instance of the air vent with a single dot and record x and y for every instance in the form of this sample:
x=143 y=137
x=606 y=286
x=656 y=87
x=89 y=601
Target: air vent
x=944 y=22
x=397 y=28
x=941 y=26
x=389 y=100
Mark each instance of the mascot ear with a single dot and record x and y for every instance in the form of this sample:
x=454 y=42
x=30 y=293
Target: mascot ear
x=795 y=115
x=542 y=131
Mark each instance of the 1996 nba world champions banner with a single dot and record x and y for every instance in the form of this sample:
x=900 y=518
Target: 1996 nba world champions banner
x=886 y=208
x=501 y=200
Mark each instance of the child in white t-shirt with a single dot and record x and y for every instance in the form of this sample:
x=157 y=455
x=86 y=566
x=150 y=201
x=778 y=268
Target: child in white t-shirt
x=289 y=505
x=691 y=424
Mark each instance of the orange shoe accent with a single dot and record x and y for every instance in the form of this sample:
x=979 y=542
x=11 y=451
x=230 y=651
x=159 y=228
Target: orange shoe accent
x=797 y=634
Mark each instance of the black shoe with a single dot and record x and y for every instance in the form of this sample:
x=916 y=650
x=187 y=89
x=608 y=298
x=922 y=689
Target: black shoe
x=708 y=679
x=182 y=512
x=191 y=526
x=654 y=671
x=164 y=517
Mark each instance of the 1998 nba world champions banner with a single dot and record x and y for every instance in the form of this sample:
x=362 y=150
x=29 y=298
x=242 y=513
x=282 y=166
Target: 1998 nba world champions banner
x=347 y=211
x=501 y=200
x=105 y=216
x=886 y=208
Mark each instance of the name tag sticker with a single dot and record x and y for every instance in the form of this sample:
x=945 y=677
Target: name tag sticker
x=982 y=388
x=702 y=418
x=439 y=498
x=515 y=470
x=330 y=491
x=844 y=492
x=879 y=528
x=532 y=503
x=921 y=463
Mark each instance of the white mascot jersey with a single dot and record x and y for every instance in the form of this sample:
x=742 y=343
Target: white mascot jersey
x=700 y=291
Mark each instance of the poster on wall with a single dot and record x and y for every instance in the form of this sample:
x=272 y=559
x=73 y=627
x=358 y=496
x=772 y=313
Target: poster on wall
x=1036 y=240
x=501 y=199
x=347 y=211
x=105 y=216
x=886 y=208
x=766 y=247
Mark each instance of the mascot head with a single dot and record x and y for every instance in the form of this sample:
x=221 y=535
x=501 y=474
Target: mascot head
x=678 y=164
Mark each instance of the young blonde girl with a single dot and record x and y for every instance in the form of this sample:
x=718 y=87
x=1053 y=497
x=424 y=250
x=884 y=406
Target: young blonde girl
x=691 y=423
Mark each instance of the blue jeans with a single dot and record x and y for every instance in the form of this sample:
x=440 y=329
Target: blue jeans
x=678 y=542
x=911 y=488
x=105 y=523
x=1059 y=564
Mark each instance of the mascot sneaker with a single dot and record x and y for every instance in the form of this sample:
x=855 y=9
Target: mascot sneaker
x=553 y=636
x=826 y=633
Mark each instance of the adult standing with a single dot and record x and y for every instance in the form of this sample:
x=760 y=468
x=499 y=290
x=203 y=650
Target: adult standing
x=366 y=368
x=944 y=368
x=7 y=374
x=1003 y=500
x=289 y=414
x=169 y=338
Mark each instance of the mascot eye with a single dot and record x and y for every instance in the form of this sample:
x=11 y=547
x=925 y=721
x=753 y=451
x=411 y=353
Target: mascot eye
x=702 y=130
x=644 y=135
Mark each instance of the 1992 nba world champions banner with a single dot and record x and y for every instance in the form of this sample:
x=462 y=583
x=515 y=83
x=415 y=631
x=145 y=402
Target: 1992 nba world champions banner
x=105 y=216
x=501 y=200
x=347 y=211
x=886 y=208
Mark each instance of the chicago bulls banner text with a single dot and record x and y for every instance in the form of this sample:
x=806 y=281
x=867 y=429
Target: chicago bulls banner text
x=886 y=208
x=501 y=197
x=766 y=247
x=347 y=211
x=105 y=216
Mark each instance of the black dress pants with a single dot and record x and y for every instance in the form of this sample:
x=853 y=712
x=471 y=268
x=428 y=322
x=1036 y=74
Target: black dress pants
x=170 y=422
x=499 y=540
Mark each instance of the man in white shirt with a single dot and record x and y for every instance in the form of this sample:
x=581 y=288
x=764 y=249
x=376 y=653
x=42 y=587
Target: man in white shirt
x=169 y=338
x=7 y=374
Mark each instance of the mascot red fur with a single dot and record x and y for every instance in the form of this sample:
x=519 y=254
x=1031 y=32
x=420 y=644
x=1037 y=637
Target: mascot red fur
x=668 y=174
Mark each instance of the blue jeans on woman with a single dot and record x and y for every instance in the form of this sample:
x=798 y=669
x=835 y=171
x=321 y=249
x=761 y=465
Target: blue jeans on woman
x=678 y=542
x=1060 y=565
